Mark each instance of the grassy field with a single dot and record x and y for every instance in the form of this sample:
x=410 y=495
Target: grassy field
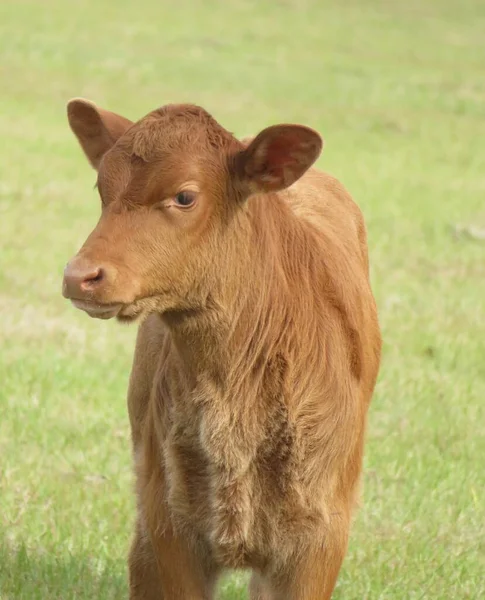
x=398 y=91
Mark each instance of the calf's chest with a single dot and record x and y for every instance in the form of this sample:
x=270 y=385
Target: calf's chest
x=231 y=467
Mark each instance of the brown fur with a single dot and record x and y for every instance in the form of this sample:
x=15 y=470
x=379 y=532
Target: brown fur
x=257 y=354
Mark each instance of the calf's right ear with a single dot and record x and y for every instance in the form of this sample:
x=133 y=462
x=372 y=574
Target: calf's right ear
x=96 y=129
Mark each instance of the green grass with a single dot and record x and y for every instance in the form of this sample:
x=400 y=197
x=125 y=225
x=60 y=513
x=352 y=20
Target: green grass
x=397 y=89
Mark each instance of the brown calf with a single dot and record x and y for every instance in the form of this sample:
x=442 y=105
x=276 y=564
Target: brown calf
x=257 y=354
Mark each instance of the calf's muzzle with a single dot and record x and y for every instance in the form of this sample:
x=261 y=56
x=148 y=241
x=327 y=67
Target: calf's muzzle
x=85 y=284
x=81 y=281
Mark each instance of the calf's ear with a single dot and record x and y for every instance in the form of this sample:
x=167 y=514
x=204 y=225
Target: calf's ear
x=278 y=156
x=96 y=129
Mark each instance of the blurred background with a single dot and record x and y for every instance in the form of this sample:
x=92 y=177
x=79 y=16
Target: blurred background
x=397 y=89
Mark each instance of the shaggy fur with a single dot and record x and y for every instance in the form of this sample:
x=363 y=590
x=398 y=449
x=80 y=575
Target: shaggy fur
x=256 y=356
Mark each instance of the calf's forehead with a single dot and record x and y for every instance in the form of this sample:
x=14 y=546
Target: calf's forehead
x=133 y=181
x=165 y=149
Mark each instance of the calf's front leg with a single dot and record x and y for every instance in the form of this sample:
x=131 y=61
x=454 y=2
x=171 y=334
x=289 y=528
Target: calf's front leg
x=165 y=564
x=144 y=578
x=167 y=570
x=312 y=574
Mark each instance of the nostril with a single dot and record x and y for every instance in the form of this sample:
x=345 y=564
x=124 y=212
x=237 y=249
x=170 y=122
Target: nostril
x=93 y=278
x=98 y=276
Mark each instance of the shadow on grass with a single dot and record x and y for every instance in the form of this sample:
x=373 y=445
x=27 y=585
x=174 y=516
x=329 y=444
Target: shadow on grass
x=37 y=574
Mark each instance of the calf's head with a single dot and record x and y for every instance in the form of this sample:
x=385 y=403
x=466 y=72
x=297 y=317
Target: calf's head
x=170 y=186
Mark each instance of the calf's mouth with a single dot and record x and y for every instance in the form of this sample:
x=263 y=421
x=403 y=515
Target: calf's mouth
x=97 y=310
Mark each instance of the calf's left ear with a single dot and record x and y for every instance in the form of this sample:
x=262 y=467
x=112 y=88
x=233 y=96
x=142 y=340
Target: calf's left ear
x=278 y=156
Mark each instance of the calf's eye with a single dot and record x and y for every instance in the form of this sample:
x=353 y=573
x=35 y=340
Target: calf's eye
x=185 y=199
